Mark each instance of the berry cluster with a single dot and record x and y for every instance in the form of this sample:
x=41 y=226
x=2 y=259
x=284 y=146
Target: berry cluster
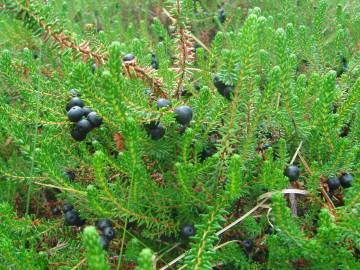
x=71 y=216
x=107 y=232
x=344 y=181
x=183 y=115
x=85 y=119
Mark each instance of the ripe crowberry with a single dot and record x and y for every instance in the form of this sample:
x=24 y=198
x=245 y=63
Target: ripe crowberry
x=218 y=83
x=128 y=57
x=72 y=218
x=157 y=132
x=78 y=135
x=75 y=101
x=224 y=90
x=67 y=207
x=73 y=92
x=75 y=113
x=93 y=68
x=333 y=183
x=222 y=16
x=87 y=110
x=95 y=119
x=109 y=233
x=84 y=126
x=104 y=242
x=207 y=152
x=55 y=211
x=183 y=114
x=248 y=244
x=346 y=180
x=162 y=103
x=154 y=62
x=70 y=175
x=292 y=172
x=103 y=223
x=188 y=231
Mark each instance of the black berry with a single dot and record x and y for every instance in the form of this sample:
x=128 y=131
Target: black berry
x=128 y=57
x=104 y=242
x=93 y=68
x=109 y=233
x=207 y=152
x=222 y=16
x=55 y=211
x=95 y=119
x=73 y=92
x=77 y=134
x=266 y=146
x=248 y=244
x=157 y=132
x=218 y=83
x=154 y=62
x=188 y=231
x=84 y=126
x=75 y=113
x=292 y=172
x=345 y=180
x=183 y=114
x=333 y=183
x=72 y=218
x=75 y=101
x=103 y=223
x=70 y=175
x=67 y=207
x=87 y=110
x=162 y=103
x=224 y=90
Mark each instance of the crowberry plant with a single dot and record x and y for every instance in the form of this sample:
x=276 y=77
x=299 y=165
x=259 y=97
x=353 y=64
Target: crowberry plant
x=202 y=134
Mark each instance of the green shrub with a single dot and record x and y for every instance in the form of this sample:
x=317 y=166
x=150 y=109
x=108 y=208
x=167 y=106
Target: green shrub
x=270 y=84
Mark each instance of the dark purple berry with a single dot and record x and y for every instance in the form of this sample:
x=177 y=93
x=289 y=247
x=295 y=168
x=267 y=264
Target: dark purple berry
x=84 y=126
x=75 y=101
x=220 y=86
x=222 y=16
x=67 y=207
x=74 y=93
x=77 y=134
x=104 y=242
x=55 y=211
x=162 y=103
x=346 y=180
x=75 y=113
x=128 y=57
x=183 y=114
x=154 y=62
x=72 y=218
x=224 y=90
x=292 y=172
x=103 y=223
x=95 y=119
x=87 y=110
x=188 y=231
x=157 y=132
x=248 y=244
x=93 y=68
x=333 y=183
x=109 y=233
x=70 y=175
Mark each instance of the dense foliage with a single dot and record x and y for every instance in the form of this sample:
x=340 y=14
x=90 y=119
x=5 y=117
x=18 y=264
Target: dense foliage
x=179 y=134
